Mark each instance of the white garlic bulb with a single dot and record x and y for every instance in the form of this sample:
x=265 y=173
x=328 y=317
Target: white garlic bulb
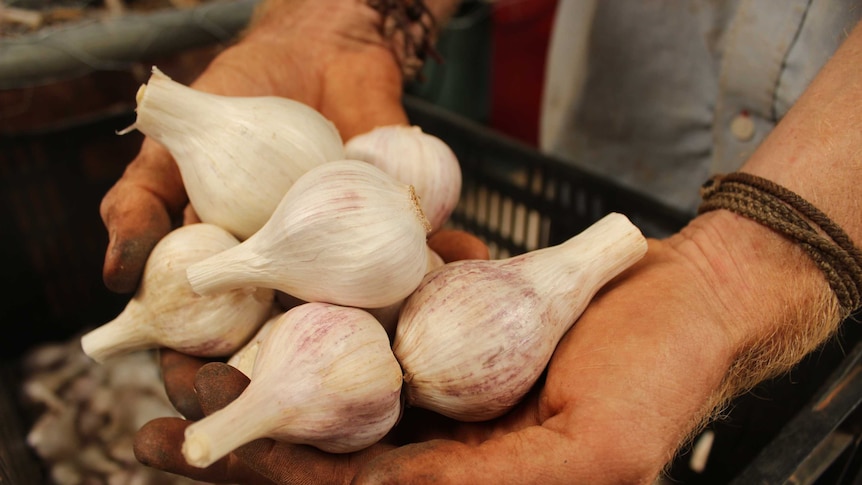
x=324 y=376
x=416 y=158
x=165 y=312
x=476 y=334
x=237 y=155
x=345 y=233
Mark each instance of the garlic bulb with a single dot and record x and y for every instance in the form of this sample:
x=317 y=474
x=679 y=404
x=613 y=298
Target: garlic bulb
x=237 y=155
x=476 y=334
x=165 y=312
x=324 y=376
x=345 y=233
x=88 y=414
x=416 y=158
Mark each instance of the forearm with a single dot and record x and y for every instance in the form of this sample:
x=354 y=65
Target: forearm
x=782 y=303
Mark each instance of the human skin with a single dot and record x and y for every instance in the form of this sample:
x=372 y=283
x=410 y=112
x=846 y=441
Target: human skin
x=705 y=315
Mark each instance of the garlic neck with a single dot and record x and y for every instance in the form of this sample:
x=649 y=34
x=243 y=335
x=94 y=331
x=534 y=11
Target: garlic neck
x=165 y=109
x=233 y=268
x=121 y=335
x=223 y=431
x=572 y=272
x=590 y=259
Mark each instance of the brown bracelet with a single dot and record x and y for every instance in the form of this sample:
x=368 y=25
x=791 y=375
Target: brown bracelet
x=792 y=216
x=416 y=26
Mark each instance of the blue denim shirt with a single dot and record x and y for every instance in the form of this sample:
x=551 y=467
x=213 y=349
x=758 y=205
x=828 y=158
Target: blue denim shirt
x=660 y=94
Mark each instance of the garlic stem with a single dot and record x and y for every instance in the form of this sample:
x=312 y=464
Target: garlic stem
x=233 y=268
x=206 y=441
x=594 y=256
x=591 y=258
x=121 y=335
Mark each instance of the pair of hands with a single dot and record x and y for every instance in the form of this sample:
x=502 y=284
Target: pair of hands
x=618 y=397
x=616 y=401
x=626 y=385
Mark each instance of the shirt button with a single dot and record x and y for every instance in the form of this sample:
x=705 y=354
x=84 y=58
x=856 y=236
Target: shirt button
x=742 y=127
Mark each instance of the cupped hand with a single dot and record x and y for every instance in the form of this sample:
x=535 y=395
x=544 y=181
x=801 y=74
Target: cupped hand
x=327 y=54
x=639 y=371
x=198 y=387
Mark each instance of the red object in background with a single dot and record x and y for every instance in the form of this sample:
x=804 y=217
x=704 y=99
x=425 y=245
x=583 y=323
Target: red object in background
x=520 y=36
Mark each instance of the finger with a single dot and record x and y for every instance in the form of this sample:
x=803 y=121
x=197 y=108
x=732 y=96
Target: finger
x=137 y=212
x=217 y=385
x=300 y=464
x=158 y=444
x=454 y=245
x=136 y=221
x=533 y=455
x=178 y=373
x=190 y=216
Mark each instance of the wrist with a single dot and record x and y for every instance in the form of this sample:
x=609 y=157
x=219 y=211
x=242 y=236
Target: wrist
x=409 y=28
x=775 y=304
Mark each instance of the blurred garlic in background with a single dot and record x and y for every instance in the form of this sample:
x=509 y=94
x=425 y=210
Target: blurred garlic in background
x=87 y=414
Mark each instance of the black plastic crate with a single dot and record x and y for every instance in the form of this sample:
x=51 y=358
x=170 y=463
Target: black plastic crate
x=518 y=199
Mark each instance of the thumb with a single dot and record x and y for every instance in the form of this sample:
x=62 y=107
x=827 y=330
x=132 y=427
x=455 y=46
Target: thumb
x=137 y=212
x=136 y=220
x=218 y=384
x=158 y=444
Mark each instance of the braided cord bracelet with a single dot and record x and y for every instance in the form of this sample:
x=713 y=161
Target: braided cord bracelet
x=413 y=25
x=784 y=211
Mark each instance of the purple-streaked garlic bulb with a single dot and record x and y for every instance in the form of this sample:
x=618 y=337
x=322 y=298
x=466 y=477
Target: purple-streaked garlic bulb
x=476 y=334
x=324 y=376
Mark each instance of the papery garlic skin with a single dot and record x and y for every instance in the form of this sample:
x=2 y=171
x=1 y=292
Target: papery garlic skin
x=324 y=376
x=475 y=335
x=417 y=158
x=237 y=155
x=165 y=312
x=345 y=233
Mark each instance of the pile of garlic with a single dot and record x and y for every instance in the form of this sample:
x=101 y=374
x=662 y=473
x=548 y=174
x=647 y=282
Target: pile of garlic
x=88 y=414
x=375 y=318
